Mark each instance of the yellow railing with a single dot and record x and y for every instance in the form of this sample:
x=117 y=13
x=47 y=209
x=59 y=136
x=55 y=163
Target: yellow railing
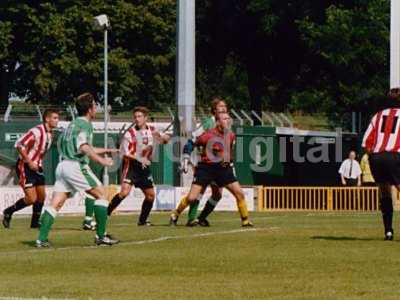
x=318 y=198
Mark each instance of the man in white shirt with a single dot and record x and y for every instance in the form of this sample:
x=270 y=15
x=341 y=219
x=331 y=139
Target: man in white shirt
x=350 y=171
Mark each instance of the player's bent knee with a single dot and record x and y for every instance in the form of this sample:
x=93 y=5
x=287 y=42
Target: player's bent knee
x=150 y=196
x=29 y=201
x=123 y=194
x=97 y=192
x=58 y=200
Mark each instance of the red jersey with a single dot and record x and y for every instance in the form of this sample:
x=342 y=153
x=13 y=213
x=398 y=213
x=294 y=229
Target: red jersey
x=139 y=142
x=216 y=146
x=36 y=142
x=383 y=132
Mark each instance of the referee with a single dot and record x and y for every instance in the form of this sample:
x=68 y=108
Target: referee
x=382 y=142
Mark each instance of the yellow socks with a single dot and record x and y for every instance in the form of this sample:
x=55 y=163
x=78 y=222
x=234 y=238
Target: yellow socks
x=242 y=208
x=182 y=205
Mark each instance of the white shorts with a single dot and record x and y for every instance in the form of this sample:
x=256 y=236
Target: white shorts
x=71 y=176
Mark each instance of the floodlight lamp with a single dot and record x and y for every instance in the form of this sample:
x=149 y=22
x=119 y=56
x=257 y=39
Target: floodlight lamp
x=102 y=22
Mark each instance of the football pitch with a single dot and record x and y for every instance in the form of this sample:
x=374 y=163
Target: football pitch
x=285 y=256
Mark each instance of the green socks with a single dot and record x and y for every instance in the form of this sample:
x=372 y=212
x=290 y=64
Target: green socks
x=100 y=213
x=47 y=220
x=89 y=208
x=193 y=210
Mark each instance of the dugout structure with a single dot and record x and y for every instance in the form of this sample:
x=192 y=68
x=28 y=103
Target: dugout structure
x=278 y=156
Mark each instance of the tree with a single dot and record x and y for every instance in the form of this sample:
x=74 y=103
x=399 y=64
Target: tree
x=351 y=47
x=59 y=53
x=311 y=55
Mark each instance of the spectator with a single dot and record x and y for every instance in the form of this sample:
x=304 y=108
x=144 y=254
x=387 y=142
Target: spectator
x=350 y=171
x=367 y=178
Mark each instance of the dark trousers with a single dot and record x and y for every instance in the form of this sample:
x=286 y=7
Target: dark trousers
x=351 y=181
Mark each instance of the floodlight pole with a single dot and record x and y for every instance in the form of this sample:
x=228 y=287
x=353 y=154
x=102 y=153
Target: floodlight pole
x=395 y=44
x=185 y=69
x=106 y=179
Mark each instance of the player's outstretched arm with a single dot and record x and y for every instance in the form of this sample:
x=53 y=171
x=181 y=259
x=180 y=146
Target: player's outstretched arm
x=161 y=138
x=101 y=151
x=90 y=152
x=143 y=160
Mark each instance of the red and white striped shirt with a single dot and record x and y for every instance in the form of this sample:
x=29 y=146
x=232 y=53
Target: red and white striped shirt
x=36 y=142
x=139 y=142
x=383 y=132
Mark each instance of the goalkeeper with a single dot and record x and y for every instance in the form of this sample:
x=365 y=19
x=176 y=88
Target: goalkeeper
x=218 y=105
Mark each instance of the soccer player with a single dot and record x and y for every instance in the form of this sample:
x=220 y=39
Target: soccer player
x=136 y=150
x=382 y=142
x=73 y=173
x=217 y=105
x=216 y=148
x=32 y=148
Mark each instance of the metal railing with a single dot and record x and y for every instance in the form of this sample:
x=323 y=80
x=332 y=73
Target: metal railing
x=318 y=199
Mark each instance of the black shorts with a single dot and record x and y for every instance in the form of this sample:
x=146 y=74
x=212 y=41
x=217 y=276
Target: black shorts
x=133 y=173
x=206 y=174
x=385 y=167
x=27 y=177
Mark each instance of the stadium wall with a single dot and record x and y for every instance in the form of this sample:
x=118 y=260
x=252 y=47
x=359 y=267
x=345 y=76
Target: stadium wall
x=167 y=198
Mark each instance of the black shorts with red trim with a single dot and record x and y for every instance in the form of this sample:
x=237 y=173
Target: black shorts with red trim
x=133 y=173
x=220 y=174
x=27 y=177
x=385 y=167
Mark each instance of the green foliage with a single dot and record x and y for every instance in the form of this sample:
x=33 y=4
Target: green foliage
x=351 y=45
x=325 y=56
x=319 y=56
x=61 y=54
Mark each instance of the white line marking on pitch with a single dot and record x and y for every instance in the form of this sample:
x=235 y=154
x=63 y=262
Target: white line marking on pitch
x=215 y=221
x=41 y=298
x=142 y=242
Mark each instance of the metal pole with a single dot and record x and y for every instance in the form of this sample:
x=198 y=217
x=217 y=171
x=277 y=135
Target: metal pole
x=395 y=44
x=247 y=117
x=39 y=113
x=105 y=175
x=185 y=77
x=186 y=81
x=241 y=121
x=7 y=114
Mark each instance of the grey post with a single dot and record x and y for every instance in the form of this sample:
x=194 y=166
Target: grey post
x=103 y=22
x=395 y=44
x=185 y=83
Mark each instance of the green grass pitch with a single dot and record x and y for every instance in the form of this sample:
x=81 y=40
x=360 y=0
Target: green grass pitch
x=286 y=256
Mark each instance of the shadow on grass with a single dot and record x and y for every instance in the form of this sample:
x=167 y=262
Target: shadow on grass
x=29 y=243
x=70 y=229
x=147 y=226
x=341 y=238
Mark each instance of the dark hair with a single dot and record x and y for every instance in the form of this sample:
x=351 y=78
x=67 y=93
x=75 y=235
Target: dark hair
x=83 y=103
x=214 y=102
x=48 y=112
x=394 y=94
x=144 y=110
